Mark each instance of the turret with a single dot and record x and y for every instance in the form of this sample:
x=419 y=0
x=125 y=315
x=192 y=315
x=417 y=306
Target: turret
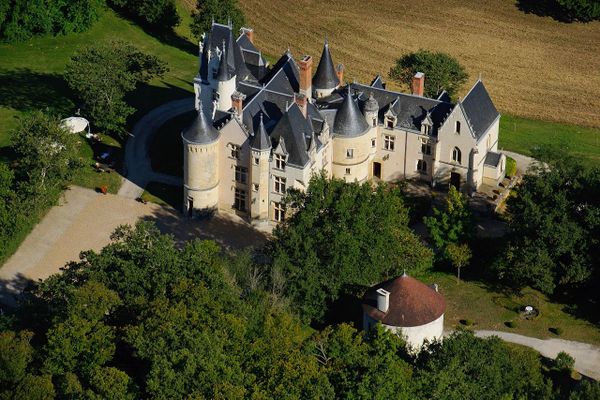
x=326 y=78
x=371 y=110
x=225 y=82
x=260 y=147
x=201 y=165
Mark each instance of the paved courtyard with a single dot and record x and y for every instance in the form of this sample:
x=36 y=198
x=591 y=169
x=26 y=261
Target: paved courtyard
x=85 y=219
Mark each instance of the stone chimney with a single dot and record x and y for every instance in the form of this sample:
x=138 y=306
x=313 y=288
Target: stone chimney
x=302 y=102
x=383 y=300
x=306 y=76
x=418 y=84
x=237 y=102
x=249 y=32
x=340 y=73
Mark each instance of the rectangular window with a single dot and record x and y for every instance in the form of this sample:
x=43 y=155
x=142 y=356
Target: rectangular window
x=241 y=174
x=425 y=148
x=373 y=142
x=235 y=151
x=239 y=202
x=422 y=166
x=458 y=127
x=256 y=160
x=388 y=142
x=349 y=153
x=278 y=212
x=279 y=184
x=347 y=171
x=374 y=122
x=280 y=161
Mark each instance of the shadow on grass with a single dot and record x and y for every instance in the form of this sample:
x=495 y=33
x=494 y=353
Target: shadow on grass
x=147 y=97
x=166 y=148
x=11 y=289
x=23 y=89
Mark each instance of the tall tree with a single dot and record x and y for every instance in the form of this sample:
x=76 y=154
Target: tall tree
x=157 y=14
x=102 y=74
x=340 y=238
x=221 y=11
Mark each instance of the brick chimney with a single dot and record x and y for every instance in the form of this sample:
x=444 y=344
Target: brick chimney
x=340 y=73
x=249 y=32
x=418 y=84
x=237 y=102
x=302 y=102
x=306 y=76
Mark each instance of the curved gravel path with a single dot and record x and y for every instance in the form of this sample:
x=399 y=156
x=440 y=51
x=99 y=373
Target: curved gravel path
x=138 y=169
x=587 y=356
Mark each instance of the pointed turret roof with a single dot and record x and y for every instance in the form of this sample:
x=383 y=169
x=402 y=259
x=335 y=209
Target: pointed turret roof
x=349 y=121
x=224 y=73
x=201 y=131
x=261 y=140
x=325 y=77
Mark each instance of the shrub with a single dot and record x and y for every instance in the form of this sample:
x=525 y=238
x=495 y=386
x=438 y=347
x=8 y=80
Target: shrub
x=557 y=331
x=511 y=324
x=511 y=167
x=442 y=71
x=466 y=322
x=564 y=362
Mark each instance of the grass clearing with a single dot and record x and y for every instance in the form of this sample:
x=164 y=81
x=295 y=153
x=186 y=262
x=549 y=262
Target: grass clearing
x=534 y=67
x=88 y=176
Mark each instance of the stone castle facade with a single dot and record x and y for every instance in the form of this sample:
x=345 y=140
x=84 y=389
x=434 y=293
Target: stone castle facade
x=263 y=129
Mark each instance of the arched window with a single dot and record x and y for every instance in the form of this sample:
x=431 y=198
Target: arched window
x=456 y=156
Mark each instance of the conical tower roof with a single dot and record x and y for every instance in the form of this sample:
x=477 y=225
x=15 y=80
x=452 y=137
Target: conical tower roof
x=223 y=73
x=349 y=121
x=201 y=131
x=261 y=140
x=411 y=303
x=325 y=77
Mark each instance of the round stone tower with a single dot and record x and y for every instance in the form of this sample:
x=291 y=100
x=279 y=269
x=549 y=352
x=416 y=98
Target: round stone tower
x=200 y=166
x=225 y=82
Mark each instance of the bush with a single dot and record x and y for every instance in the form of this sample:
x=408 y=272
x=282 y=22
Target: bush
x=556 y=331
x=442 y=71
x=22 y=19
x=511 y=324
x=466 y=322
x=564 y=362
x=511 y=167
x=563 y=10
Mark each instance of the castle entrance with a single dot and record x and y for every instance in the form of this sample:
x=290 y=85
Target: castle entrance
x=377 y=170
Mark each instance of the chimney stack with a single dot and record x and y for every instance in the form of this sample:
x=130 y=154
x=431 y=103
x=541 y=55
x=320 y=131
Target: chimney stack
x=306 y=76
x=302 y=103
x=237 y=102
x=418 y=84
x=249 y=32
x=340 y=73
x=383 y=300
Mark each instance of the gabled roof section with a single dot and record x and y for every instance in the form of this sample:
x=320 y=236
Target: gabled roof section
x=201 y=131
x=377 y=82
x=492 y=159
x=296 y=132
x=349 y=121
x=325 y=77
x=479 y=109
x=261 y=140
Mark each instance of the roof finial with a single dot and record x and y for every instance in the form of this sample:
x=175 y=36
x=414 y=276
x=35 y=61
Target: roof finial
x=479 y=75
x=261 y=118
x=326 y=41
x=229 y=21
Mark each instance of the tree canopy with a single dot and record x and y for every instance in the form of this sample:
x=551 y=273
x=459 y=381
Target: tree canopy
x=442 y=71
x=102 y=74
x=221 y=11
x=158 y=14
x=341 y=238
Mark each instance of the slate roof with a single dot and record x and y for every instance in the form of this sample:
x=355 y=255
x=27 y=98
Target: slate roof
x=201 y=131
x=479 y=109
x=261 y=139
x=224 y=73
x=349 y=121
x=218 y=35
x=492 y=159
x=411 y=303
x=325 y=77
x=297 y=133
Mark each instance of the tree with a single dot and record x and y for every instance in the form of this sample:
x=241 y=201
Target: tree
x=46 y=153
x=586 y=390
x=158 y=14
x=564 y=362
x=220 y=11
x=15 y=355
x=459 y=256
x=554 y=225
x=102 y=74
x=563 y=10
x=442 y=71
x=340 y=238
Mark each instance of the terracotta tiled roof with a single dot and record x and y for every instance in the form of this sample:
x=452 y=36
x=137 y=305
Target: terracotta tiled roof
x=412 y=303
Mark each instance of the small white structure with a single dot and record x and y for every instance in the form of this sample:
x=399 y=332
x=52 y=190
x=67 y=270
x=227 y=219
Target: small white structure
x=408 y=307
x=76 y=125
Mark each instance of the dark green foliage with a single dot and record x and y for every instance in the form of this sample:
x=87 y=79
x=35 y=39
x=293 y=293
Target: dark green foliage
x=511 y=167
x=442 y=71
x=341 y=238
x=586 y=390
x=157 y=14
x=221 y=11
x=563 y=10
x=511 y=324
x=466 y=367
x=101 y=76
x=23 y=19
x=564 y=362
x=555 y=226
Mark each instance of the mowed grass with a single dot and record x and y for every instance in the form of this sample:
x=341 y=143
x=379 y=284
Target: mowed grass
x=31 y=72
x=522 y=135
x=534 y=67
x=490 y=309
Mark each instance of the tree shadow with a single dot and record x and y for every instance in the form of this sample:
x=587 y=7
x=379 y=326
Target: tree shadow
x=23 y=89
x=147 y=97
x=544 y=9
x=12 y=289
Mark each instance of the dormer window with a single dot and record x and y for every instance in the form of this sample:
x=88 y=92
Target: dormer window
x=280 y=161
x=426 y=129
x=456 y=155
x=457 y=127
x=390 y=123
x=235 y=151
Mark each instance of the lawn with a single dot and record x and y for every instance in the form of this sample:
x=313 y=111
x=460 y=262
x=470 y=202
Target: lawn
x=491 y=309
x=164 y=195
x=90 y=177
x=522 y=135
